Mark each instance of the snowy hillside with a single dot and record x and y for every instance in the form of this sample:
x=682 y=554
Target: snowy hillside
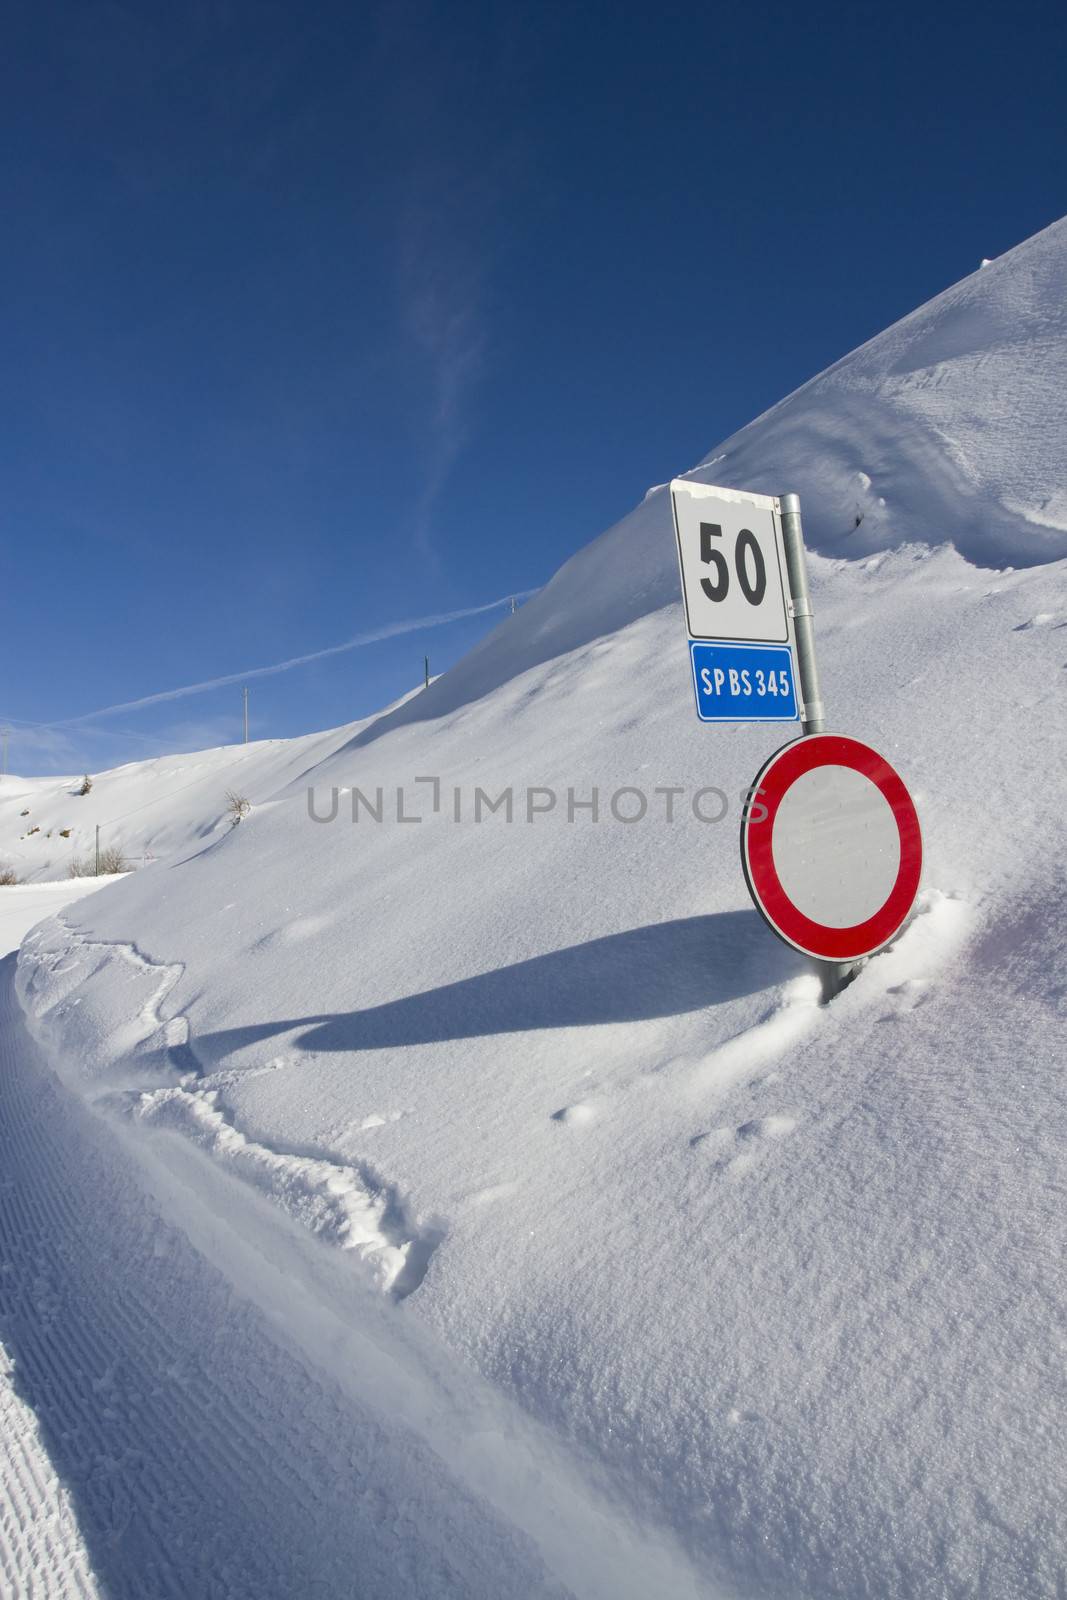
x=497 y=1191
x=145 y=809
x=947 y=426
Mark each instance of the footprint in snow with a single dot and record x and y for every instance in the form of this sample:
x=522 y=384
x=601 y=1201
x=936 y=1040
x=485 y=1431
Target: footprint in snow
x=294 y=932
x=576 y=1116
x=736 y=1150
x=909 y=995
x=376 y=1120
x=1041 y=620
x=495 y=1191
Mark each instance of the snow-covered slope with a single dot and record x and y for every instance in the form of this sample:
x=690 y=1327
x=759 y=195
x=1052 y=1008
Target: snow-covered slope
x=761 y=1298
x=145 y=809
x=947 y=426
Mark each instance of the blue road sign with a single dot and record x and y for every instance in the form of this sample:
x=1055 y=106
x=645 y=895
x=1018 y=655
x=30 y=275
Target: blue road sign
x=743 y=682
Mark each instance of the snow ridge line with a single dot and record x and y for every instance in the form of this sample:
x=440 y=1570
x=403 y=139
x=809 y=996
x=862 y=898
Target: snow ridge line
x=37 y=966
x=346 y=1205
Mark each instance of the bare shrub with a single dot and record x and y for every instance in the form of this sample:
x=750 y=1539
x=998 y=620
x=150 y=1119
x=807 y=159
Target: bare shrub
x=237 y=806
x=111 y=860
x=8 y=877
x=85 y=785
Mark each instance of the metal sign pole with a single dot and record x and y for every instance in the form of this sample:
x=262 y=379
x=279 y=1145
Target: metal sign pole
x=835 y=975
x=812 y=716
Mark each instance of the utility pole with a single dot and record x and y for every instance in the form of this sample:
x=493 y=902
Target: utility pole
x=244 y=697
x=426 y=665
x=513 y=605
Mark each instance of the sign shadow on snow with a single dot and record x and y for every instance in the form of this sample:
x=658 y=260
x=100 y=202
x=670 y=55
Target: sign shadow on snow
x=661 y=970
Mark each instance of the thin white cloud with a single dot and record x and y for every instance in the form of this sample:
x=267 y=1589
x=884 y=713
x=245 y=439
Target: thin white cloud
x=443 y=317
x=52 y=746
x=390 y=631
x=28 y=742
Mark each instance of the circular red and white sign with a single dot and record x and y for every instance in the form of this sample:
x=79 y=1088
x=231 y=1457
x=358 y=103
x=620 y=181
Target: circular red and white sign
x=831 y=847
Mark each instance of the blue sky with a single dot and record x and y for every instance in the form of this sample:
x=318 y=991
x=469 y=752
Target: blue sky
x=315 y=319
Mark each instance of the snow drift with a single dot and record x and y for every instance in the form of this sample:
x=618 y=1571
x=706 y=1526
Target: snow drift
x=541 y=1104
x=945 y=429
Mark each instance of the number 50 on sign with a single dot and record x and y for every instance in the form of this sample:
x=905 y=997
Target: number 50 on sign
x=737 y=616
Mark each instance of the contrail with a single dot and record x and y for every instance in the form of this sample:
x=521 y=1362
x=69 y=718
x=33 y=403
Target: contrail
x=390 y=631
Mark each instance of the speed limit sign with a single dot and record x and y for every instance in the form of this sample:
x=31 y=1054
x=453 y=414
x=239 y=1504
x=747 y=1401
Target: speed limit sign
x=736 y=606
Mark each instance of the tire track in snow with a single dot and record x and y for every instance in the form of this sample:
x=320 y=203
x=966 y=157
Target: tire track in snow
x=41 y=1550
x=201 y=1457
x=173 y=1373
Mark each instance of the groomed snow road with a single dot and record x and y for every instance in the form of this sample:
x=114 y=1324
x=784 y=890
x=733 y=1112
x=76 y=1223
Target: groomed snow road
x=198 y=1457
x=161 y=1436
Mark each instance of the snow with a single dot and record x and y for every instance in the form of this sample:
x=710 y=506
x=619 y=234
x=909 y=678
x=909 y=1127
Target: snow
x=24 y=904
x=517 y=1155
x=147 y=809
x=181 y=1447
